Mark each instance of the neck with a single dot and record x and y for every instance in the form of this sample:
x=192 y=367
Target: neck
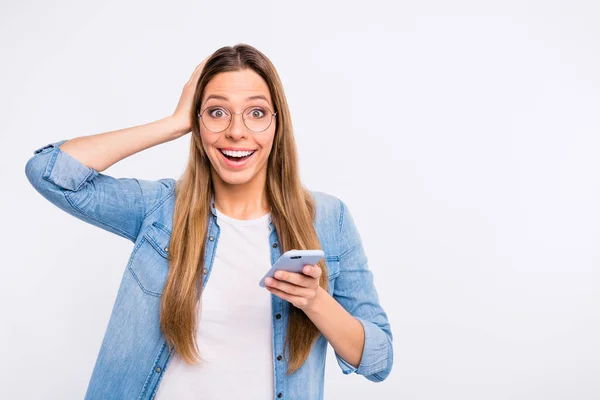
x=242 y=201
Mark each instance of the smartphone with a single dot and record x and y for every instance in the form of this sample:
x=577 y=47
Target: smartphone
x=294 y=261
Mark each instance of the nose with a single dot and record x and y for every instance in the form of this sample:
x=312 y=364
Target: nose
x=237 y=129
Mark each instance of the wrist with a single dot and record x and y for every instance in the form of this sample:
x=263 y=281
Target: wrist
x=178 y=126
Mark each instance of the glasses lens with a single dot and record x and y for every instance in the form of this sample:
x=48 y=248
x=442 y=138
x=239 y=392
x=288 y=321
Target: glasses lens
x=257 y=119
x=216 y=119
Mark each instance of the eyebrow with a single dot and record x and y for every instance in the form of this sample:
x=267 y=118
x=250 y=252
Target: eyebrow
x=219 y=97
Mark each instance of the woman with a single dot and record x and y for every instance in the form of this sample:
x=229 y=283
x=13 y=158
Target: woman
x=238 y=206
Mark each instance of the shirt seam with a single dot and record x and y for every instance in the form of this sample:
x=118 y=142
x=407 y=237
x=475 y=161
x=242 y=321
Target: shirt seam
x=167 y=196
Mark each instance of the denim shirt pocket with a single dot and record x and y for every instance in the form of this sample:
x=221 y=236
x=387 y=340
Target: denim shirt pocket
x=333 y=270
x=149 y=262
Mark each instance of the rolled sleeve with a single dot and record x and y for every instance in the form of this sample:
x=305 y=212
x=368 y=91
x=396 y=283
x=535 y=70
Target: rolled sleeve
x=117 y=205
x=64 y=170
x=376 y=356
x=355 y=291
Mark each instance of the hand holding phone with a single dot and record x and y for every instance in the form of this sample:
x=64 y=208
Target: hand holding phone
x=293 y=261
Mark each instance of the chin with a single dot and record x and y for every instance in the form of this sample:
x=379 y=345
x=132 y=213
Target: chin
x=240 y=177
x=235 y=178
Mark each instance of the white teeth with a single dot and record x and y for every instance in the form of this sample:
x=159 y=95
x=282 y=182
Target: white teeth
x=232 y=153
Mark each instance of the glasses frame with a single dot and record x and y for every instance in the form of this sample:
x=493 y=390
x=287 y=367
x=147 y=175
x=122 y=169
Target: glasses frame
x=232 y=114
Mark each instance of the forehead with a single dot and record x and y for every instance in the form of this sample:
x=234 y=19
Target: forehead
x=237 y=86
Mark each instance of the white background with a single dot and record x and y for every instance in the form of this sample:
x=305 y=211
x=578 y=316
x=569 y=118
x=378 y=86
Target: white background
x=464 y=137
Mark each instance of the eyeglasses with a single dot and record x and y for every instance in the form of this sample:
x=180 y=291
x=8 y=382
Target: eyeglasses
x=217 y=119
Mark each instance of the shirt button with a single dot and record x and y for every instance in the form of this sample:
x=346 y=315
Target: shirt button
x=274 y=245
x=205 y=271
x=211 y=238
x=157 y=369
x=279 y=394
x=166 y=249
x=278 y=358
x=278 y=316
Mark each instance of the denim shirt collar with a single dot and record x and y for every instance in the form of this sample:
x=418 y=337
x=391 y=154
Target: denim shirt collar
x=212 y=205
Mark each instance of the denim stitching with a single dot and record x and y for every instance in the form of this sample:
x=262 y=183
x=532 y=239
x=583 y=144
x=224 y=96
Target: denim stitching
x=154 y=240
x=135 y=250
x=49 y=166
x=152 y=371
x=342 y=209
x=153 y=394
x=168 y=195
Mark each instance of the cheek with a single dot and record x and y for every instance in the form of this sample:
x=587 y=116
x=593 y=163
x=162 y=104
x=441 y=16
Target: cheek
x=208 y=142
x=266 y=143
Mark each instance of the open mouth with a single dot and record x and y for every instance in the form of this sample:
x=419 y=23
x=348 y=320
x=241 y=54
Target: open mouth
x=237 y=156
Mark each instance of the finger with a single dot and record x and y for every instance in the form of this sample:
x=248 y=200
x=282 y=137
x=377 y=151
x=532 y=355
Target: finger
x=291 y=289
x=197 y=71
x=194 y=78
x=296 y=279
x=286 y=296
x=312 y=270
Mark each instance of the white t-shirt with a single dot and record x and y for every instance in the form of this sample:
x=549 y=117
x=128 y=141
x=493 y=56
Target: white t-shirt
x=235 y=331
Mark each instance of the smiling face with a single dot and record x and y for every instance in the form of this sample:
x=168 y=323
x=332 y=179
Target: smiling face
x=237 y=155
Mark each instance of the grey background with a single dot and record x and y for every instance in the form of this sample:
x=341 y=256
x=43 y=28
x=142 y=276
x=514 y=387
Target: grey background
x=463 y=136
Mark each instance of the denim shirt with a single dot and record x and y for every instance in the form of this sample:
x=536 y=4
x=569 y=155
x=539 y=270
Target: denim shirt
x=133 y=354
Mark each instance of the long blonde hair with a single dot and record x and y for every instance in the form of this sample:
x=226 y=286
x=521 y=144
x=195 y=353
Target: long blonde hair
x=291 y=205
